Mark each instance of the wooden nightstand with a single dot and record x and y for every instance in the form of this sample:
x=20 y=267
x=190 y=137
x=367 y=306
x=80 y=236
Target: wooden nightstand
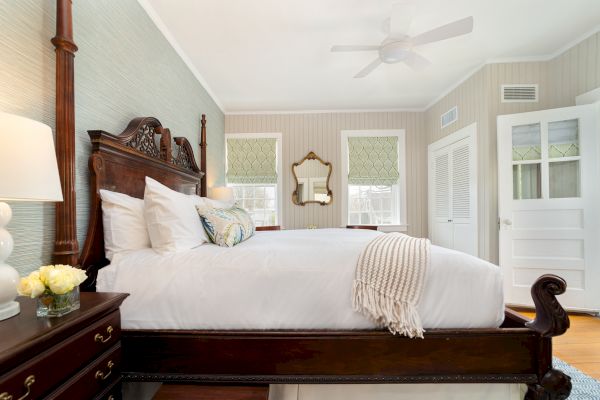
x=73 y=357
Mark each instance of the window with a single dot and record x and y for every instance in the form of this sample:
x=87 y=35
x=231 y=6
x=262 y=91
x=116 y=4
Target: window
x=373 y=205
x=259 y=200
x=253 y=171
x=373 y=178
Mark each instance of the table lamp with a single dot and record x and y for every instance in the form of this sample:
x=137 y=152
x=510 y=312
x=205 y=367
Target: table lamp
x=222 y=193
x=28 y=172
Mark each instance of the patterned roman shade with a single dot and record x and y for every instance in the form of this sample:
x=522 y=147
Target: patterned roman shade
x=373 y=160
x=252 y=160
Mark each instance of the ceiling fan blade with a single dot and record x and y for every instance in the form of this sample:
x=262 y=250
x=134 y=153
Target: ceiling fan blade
x=353 y=48
x=416 y=61
x=369 y=68
x=402 y=16
x=453 y=29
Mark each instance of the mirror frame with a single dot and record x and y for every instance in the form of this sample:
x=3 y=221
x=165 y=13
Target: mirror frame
x=312 y=156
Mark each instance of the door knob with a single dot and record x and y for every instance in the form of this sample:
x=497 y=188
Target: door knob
x=507 y=222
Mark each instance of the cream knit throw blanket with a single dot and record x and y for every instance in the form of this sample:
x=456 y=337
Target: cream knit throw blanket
x=389 y=281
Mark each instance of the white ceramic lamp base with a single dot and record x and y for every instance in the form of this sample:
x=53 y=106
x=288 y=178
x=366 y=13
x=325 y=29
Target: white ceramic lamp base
x=9 y=277
x=9 y=310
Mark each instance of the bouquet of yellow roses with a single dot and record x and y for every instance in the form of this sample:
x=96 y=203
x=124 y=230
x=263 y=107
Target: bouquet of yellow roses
x=55 y=286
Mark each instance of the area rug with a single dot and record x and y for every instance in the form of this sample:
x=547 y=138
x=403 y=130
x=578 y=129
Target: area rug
x=584 y=387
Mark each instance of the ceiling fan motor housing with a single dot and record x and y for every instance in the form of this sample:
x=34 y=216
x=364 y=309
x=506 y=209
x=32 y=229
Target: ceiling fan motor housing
x=394 y=51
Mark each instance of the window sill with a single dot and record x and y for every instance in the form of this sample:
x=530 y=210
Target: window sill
x=392 y=228
x=389 y=228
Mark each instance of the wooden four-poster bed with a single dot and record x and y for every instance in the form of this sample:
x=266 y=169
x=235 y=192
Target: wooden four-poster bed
x=519 y=351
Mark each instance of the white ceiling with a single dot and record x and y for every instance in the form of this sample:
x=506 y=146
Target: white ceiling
x=273 y=55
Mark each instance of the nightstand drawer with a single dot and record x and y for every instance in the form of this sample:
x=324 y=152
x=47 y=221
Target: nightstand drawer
x=60 y=362
x=94 y=379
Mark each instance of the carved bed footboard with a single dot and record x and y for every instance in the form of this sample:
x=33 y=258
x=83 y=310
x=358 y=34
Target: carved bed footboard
x=550 y=320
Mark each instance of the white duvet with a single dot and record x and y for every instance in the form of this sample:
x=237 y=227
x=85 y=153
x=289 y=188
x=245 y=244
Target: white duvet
x=296 y=279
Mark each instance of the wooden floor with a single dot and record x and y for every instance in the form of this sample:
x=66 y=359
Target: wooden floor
x=580 y=346
x=209 y=392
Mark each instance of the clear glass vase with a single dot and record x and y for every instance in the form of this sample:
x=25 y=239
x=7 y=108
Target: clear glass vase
x=57 y=305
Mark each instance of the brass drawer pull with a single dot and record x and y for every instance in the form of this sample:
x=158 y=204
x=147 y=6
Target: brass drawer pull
x=100 y=339
x=29 y=381
x=101 y=376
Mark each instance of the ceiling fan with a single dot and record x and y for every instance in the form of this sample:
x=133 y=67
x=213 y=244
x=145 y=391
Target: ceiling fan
x=397 y=46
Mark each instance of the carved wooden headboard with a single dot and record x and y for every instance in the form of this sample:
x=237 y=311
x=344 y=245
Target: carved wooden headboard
x=121 y=162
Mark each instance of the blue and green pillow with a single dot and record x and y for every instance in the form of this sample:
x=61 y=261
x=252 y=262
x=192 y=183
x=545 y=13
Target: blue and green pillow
x=226 y=226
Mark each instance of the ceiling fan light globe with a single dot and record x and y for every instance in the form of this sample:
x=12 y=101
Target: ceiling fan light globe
x=393 y=52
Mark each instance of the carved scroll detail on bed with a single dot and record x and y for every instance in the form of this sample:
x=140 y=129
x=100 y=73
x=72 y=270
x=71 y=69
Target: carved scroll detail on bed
x=149 y=137
x=121 y=162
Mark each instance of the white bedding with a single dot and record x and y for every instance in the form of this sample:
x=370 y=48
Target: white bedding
x=296 y=279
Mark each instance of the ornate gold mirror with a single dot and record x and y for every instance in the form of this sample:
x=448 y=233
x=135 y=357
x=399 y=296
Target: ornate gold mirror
x=312 y=181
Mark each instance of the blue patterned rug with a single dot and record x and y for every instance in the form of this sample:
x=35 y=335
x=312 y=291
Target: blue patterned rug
x=584 y=387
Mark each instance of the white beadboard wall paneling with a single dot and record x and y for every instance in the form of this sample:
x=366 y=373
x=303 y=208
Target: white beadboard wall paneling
x=320 y=132
x=575 y=71
x=124 y=68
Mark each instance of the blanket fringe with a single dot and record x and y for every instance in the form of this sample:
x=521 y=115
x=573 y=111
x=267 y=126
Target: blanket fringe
x=399 y=317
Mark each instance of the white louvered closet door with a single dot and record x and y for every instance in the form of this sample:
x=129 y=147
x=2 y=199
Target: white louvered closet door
x=453 y=191
x=442 y=233
x=463 y=196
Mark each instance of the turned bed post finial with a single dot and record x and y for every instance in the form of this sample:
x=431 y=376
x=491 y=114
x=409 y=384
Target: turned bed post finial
x=203 y=155
x=66 y=248
x=550 y=318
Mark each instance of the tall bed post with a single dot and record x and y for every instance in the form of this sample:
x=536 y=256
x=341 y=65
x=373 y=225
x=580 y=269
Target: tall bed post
x=203 y=155
x=66 y=248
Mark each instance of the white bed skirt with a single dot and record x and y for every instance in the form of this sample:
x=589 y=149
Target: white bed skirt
x=440 y=391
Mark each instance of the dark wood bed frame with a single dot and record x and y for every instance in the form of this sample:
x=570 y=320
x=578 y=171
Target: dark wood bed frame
x=520 y=351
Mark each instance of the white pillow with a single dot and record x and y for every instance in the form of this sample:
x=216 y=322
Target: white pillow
x=124 y=223
x=171 y=217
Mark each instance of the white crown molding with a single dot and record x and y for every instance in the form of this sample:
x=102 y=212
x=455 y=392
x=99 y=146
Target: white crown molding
x=324 y=111
x=171 y=39
x=573 y=43
x=454 y=86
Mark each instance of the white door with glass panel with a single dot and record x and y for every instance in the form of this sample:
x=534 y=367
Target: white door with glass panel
x=453 y=191
x=549 y=203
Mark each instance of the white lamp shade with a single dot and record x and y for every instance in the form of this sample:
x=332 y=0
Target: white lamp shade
x=28 y=168
x=222 y=193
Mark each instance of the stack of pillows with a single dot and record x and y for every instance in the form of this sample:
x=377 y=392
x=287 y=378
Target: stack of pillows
x=169 y=221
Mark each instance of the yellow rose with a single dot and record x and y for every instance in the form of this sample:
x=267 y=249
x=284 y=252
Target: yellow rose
x=31 y=285
x=60 y=281
x=78 y=276
x=45 y=272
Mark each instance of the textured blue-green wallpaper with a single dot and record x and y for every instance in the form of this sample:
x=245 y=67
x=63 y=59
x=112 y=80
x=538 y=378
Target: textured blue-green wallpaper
x=124 y=68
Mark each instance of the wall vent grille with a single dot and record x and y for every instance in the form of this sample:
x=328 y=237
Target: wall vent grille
x=519 y=93
x=449 y=117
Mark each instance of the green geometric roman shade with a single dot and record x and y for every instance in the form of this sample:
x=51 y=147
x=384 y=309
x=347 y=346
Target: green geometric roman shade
x=373 y=160
x=252 y=161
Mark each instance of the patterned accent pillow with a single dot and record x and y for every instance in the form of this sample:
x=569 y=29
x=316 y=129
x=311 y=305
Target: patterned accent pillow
x=226 y=226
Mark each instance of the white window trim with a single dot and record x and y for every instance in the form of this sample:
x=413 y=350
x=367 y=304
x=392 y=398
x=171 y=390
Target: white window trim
x=278 y=159
x=401 y=134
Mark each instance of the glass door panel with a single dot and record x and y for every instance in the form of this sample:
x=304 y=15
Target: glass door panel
x=563 y=139
x=526 y=142
x=527 y=181
x=564 y=179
